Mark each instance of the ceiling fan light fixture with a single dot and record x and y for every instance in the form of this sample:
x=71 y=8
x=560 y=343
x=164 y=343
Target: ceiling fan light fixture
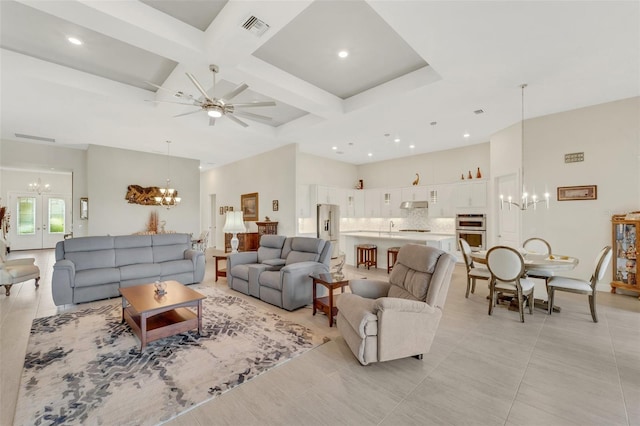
x=215 y=111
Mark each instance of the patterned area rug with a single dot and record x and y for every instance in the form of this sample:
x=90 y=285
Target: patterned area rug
x=85 y=367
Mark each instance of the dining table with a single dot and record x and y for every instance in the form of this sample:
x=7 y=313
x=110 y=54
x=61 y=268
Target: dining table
x=537 y=261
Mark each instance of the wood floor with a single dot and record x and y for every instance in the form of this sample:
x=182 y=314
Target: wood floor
x=482 y=370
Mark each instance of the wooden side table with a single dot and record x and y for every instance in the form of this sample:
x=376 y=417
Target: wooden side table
x=218 y=256
x=326 y=304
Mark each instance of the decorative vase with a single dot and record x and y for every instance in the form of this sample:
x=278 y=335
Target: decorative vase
x=470 y=175
x=478 y=174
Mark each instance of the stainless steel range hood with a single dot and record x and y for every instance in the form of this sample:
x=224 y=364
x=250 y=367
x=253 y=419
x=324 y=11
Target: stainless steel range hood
x=414 y=205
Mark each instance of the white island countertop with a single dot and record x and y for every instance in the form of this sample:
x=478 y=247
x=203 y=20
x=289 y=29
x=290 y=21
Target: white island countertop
x=406 y=236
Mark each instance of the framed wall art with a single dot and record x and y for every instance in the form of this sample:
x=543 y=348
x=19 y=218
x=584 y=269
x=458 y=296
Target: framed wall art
x=84 y=208
x=574 y=193
x=249 y=206
x=274 y=205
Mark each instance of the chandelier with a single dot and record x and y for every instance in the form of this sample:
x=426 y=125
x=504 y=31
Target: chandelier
x=526 y=201
x=39 y=187
x=168 y=196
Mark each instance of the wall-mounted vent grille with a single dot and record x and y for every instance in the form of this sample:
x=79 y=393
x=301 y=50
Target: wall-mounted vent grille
x=574 y=157
x=35 y=138
x=255 y=26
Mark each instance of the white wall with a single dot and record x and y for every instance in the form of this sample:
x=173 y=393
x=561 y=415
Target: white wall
x=323 y=171
x=272 y=175
x=433 y=168
x=47 y=156
x=609 y=136
x=111 y=170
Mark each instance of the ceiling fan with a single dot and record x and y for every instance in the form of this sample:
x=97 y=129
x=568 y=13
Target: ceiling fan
x=218 y=107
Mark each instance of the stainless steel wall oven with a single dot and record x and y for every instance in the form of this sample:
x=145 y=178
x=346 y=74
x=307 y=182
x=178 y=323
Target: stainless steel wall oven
x=473 y=229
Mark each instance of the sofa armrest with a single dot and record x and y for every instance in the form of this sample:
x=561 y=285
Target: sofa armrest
x=297 y=286
x=62 y=281
x=402 y=305
x=197 y=257
x=371 y=289
x=241 y=258
x=359 y=312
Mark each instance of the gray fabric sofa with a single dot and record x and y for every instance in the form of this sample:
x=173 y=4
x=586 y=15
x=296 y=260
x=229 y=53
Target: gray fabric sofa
x=278 y=273
x=92 y=268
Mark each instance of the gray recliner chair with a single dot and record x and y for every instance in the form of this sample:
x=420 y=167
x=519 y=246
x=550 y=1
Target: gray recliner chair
x=381 y=321
x=244 y=267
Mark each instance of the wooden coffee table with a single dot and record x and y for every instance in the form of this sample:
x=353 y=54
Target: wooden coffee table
x=152 y=317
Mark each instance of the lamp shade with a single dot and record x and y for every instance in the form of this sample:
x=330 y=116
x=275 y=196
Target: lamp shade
x=234 y=223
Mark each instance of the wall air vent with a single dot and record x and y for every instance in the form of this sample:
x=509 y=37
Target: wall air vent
x=35 y=138
x=255 y=26
x=574 y=157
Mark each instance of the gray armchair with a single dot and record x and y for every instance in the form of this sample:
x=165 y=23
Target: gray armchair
x=16 y=270
x=381 y=321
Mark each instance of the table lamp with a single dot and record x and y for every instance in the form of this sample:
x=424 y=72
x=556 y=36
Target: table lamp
x=234 y=224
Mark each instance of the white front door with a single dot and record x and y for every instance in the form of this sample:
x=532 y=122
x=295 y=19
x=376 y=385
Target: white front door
x=508 y=219
x=38 y=221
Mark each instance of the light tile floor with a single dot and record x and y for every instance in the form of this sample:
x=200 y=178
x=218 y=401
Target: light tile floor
x=554 y=370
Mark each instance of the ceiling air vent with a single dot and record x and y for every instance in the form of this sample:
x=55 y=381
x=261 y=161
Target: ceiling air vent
x=35 y=138
x=255 y=26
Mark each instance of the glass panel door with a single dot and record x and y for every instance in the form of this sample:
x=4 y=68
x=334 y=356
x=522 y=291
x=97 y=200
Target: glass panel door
x=40 y=221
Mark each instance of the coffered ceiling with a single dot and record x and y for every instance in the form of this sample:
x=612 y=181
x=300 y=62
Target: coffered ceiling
x=416 y=71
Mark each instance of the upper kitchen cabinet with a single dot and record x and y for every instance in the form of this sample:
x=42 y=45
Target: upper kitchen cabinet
x=471 y=194
x=390 y=202
x=414 y=193
x=372 y=206
x=441 y=200
x=354 y=203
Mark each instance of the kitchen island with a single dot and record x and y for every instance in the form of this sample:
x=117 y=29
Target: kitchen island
x=384 y=240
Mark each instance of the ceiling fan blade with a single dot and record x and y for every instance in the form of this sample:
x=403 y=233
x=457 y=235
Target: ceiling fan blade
x=199 y=87
x=252 y=116
x=212 y=121
x=235 y=92
x=187 y=113
x=240 y=122
x=169 y=102
x=255 y=104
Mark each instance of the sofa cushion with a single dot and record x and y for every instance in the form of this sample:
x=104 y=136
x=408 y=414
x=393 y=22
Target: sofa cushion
x=271 y=279
x=85 y=244
x=176 y=267
x=95 y=259
x=270 y=247
x=241 y=271
x=305 y=250
x=130 y=241
x=142 y=270
x=97 y=276
x=133 y=256
x=411 y=275
x=169 y=247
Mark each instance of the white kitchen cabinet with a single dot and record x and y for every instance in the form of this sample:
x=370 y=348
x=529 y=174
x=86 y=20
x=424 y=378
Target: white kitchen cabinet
x=390 y=202
x=414 y=193
x=372 y=203
x=303 y=201
x=327 y=195
x=444 y=205
x=358 y=201
x=471 y=194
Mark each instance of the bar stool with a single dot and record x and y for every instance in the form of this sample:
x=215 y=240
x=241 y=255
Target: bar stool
x=392 y=256
x=367 y=255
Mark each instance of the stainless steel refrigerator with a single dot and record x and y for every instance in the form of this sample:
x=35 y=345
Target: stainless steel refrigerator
x=329 y=225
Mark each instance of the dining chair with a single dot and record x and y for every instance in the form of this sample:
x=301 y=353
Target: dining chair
x=538 y=246
x=575 y=285
x=473 y=273
x=507 y=276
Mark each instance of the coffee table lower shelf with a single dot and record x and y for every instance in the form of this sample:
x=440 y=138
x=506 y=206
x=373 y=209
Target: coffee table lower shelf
x=161 y=325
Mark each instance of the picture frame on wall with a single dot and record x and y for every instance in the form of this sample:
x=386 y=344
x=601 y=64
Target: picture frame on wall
x=249 y=206
x=221 y=210
x=274 y=205
x=574 y=193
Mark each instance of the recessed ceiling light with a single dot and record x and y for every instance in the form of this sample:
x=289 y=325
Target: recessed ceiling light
x=466 y=135
x=334 y=148
x=350 y=144
x=343 y=54
x=396 y=140
x=74 y=40
x=370 y=154
x=412 y=146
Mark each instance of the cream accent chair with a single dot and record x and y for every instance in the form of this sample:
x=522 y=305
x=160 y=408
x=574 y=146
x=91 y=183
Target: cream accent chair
x=507 y=276
x=381 y=321
x=17 y=270
x=574 y=285
x=538 y=246
x=473 y=273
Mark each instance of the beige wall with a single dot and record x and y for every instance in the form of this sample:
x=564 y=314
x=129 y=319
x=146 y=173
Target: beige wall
x=111 y=170
x=609 y=136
